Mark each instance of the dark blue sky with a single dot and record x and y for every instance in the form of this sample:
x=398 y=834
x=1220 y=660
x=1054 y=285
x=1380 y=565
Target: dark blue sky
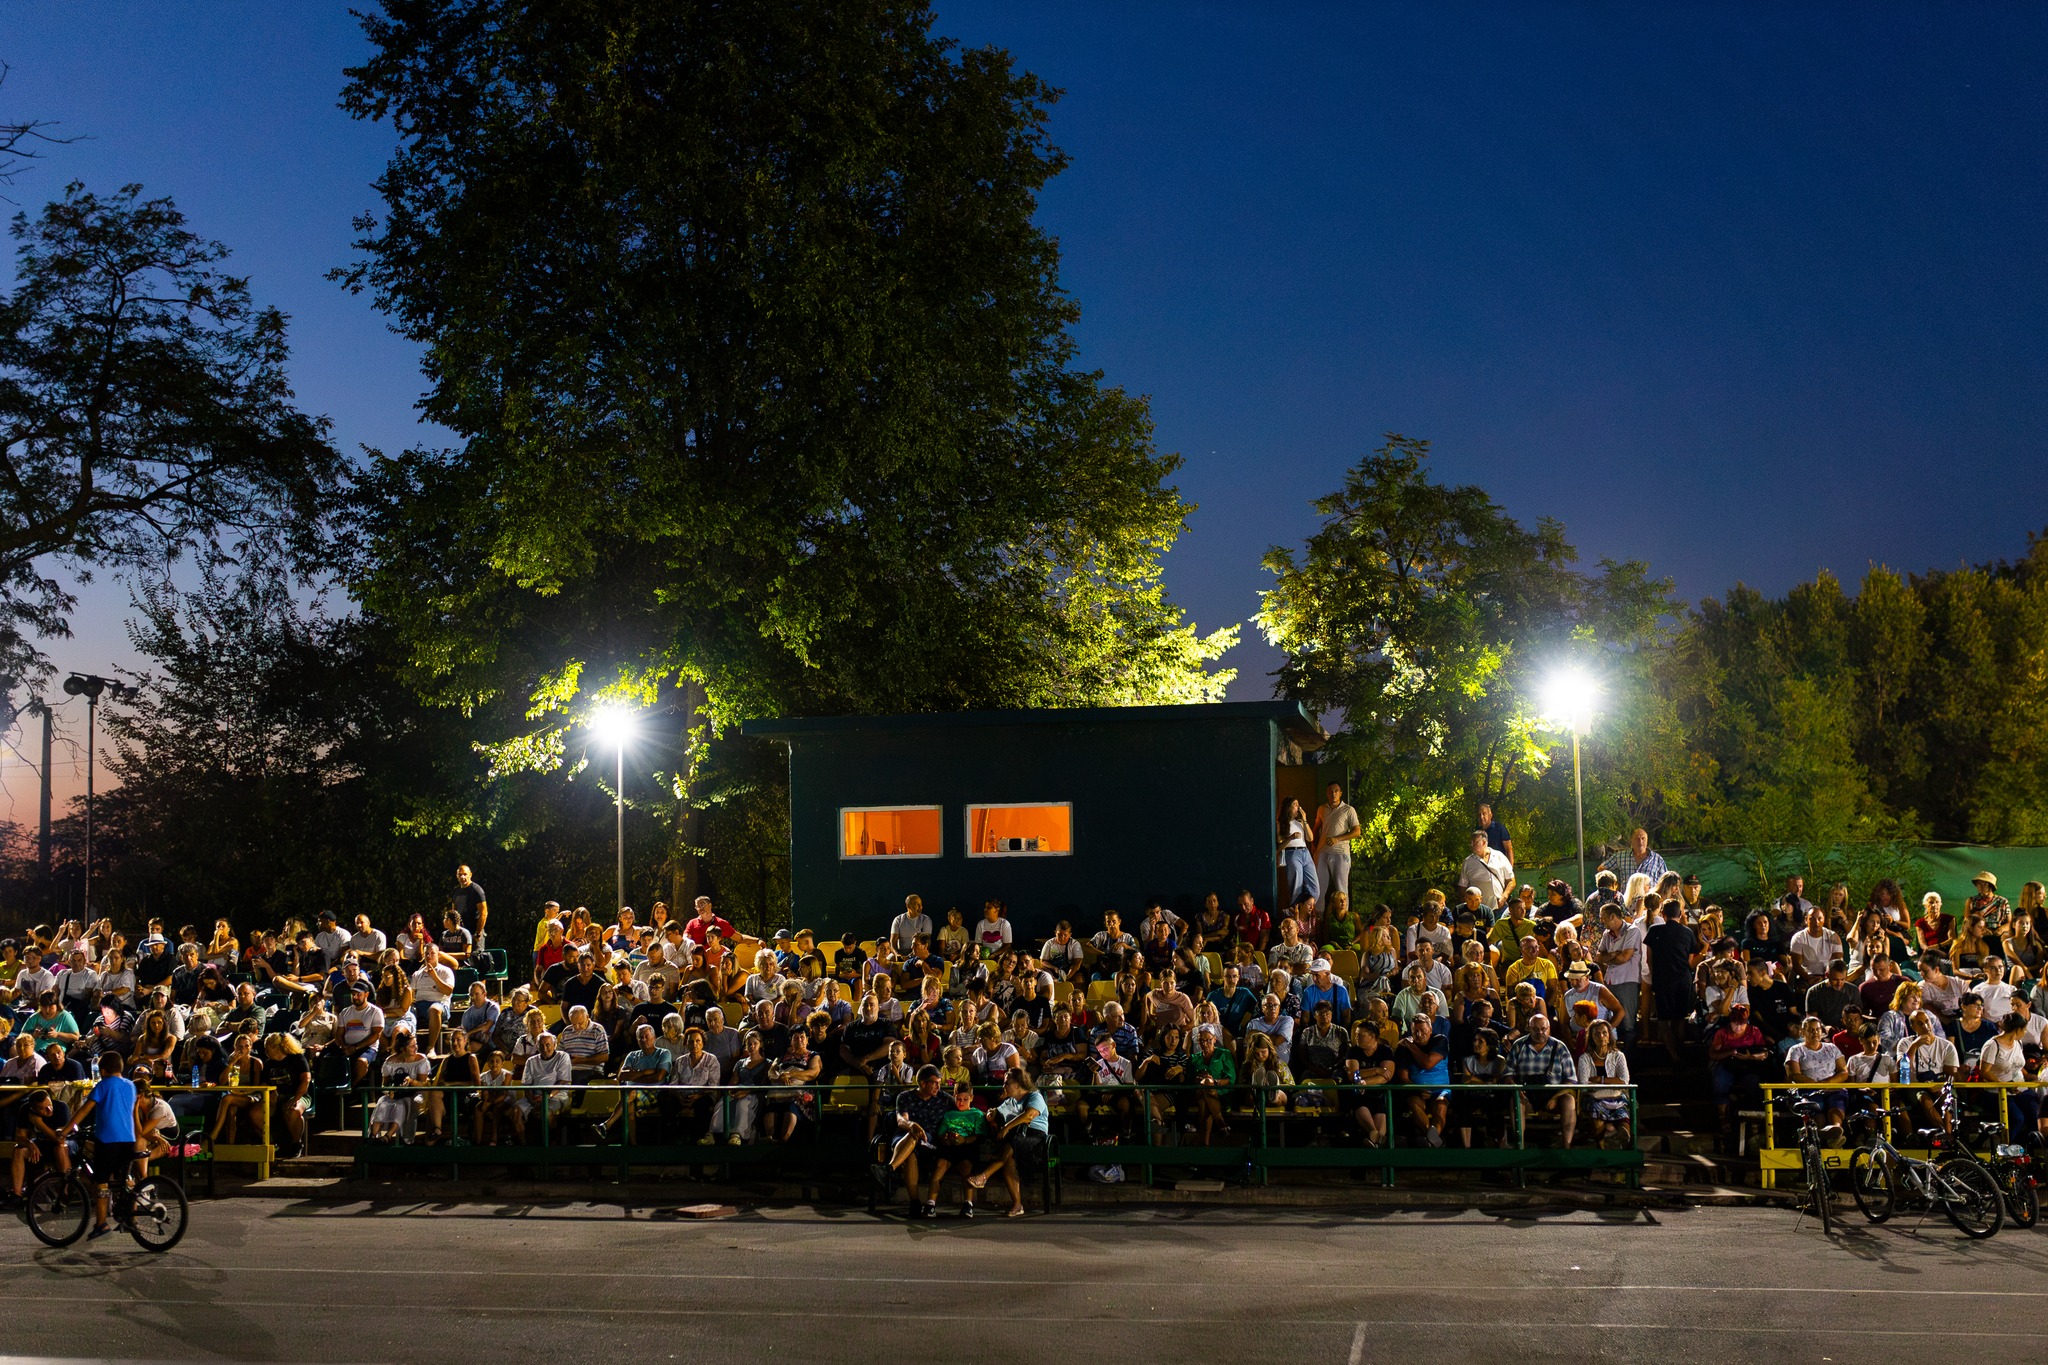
x=1743 y=290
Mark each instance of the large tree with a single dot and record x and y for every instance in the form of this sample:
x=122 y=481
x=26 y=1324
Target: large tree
x=1424 y=620
x=144 y=413
x=761 y=369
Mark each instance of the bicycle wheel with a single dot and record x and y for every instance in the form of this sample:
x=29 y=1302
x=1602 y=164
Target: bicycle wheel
x=1970 y=1197
x=2022 y=1200
x=1817 y=1188
x=158 y=1219
x=1874 y=1181
x=59 y=1208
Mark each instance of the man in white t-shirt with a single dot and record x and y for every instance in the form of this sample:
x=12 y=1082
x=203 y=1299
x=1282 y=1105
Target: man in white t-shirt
x=1336 y=826
x=1814 y=947
x=1994 y=990
x=433 y=986
x=359 y=1029
x=1487 y=871
x=904 y=929
x=1814 y=1059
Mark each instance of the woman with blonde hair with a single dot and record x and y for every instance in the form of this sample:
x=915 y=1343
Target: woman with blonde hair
x=1639 y=885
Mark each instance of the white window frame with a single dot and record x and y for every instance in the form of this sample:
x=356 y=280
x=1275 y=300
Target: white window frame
x=967 y=830
x=849 y=857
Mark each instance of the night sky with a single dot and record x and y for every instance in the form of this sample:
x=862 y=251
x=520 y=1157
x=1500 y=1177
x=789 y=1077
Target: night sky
x=1741 y=290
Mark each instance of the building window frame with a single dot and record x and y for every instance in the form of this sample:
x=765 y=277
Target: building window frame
x=847 y=855
x=967 y=816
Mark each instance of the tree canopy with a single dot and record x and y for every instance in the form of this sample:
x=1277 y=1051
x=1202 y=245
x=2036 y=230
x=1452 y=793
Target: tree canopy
x=145 y=413
x=761 y=370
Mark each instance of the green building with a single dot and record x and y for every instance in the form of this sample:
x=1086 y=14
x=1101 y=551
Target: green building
x=1060 y=814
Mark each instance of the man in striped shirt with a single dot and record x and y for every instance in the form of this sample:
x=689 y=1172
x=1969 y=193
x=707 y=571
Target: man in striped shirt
x=1543 y=1064
x=588 y=1045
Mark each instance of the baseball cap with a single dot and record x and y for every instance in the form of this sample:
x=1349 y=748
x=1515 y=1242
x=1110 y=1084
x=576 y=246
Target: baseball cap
x=1691 y=879
x=1321 y=964
x=782 y=935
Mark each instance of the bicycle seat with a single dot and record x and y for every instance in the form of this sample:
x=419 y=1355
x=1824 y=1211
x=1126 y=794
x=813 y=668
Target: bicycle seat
x=1806 y=1108
x=1930 y=1137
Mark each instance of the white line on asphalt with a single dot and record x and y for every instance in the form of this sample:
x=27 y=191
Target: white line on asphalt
x=1358 y=1344
x=1847 y=1329
x=1892 y=1291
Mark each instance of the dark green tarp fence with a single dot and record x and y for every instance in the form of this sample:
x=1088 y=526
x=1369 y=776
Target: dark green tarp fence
x=1735 y=873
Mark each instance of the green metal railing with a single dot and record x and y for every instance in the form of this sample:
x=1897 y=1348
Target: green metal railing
x=1259 y=1129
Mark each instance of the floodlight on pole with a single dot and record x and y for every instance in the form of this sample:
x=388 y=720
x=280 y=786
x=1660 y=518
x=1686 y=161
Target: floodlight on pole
x=616 y=726
x=1568 y=700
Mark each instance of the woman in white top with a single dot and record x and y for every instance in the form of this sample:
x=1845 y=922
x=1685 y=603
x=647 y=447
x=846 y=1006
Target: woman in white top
x=2004 y=1059
x=1603 y=1061
x=1297 y=857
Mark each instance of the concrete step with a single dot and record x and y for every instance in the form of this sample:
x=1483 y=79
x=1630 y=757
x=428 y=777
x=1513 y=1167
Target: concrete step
x=292 y=1185
x=315 y=1166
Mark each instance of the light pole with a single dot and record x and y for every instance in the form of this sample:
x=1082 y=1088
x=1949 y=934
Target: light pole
x=616 y=726
x=89 y=686
x=1571 y=695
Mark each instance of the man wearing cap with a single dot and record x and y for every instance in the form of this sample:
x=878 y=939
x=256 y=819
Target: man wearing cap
x=1580 y=988
x=329 y=939
x=1986 y=901
x=359 y=1029
x=1322 y=986
x=1637 y=857
x=156 y=964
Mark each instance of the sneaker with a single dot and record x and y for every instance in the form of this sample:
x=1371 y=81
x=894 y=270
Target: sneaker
x=732 y=1139
x=1432 y=1137
x=967 y=1210
x=707 y=1141
x=931 y=1208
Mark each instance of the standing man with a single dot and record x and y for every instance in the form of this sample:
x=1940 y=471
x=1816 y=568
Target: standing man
x=1637 y=857
x=1336 y=824
x=1621 y=963
x=1497 y=837
x=466 y=900
x=906 y=927
x=1487 y=871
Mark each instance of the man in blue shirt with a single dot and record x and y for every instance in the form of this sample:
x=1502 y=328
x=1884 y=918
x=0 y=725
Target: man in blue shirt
x=113 y=1149
x=1322 y=986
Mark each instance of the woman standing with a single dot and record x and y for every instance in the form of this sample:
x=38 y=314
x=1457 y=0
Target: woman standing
x=1297 y=860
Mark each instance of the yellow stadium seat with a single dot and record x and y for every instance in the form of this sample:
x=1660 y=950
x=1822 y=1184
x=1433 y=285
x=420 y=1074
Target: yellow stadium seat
x=1100 y=993
x=1344 y=962
x=1062 y=992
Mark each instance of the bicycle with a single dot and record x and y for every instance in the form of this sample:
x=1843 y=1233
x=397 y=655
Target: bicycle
x=2012 y=1166
x=1881 y=1177
x=60 y=1207
x=1814 y=1164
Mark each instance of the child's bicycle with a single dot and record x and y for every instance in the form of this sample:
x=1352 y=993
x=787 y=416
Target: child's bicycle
x=61 y=1206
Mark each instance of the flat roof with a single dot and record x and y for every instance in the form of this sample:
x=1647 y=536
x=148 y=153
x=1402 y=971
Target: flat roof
x=1290 y=716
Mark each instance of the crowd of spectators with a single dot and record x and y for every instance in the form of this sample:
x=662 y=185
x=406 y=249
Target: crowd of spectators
x=959 y=1040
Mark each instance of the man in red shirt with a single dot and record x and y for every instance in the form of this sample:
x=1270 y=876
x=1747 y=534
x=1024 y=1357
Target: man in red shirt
x=707 y=920
x=1254 y=926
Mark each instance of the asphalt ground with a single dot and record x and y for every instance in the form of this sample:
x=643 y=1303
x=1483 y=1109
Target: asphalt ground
x=263 y=1279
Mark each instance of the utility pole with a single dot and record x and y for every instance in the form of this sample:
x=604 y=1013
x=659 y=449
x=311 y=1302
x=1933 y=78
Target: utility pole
x=43 y=806
x=89 y=686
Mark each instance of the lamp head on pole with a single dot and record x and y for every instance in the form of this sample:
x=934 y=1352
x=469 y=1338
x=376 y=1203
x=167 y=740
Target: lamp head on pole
x=1569 y=698
x=614 y=725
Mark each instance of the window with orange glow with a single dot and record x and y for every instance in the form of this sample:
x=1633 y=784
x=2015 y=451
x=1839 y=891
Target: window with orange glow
x=1020 y=831
x=890 y=832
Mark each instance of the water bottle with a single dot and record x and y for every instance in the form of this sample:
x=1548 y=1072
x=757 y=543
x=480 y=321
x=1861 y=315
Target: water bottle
x=196 y=1074
x=1906 y=1068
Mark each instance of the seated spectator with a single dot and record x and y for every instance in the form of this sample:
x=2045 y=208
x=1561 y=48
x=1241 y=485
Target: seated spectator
x=1606 y=1106
x=588 y=1045
x=1737 y=1055
x=1484 y=1111
x=1544 y=1066
x=1421 y=1061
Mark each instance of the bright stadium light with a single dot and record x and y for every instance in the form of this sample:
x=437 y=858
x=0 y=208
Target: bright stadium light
x=616 y=725
x=1568 y=701
x=1569 y=698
